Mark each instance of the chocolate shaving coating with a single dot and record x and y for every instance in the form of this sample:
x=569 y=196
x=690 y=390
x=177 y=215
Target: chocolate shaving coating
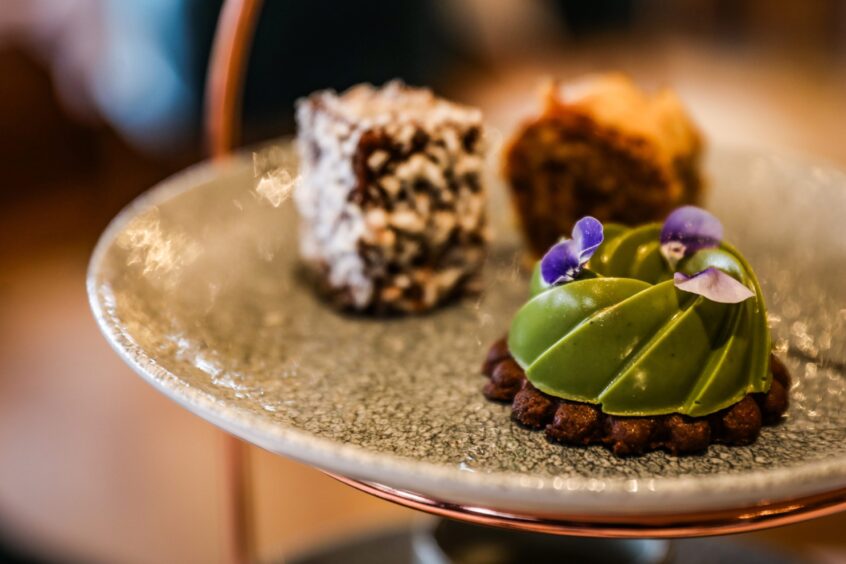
x=581 y=424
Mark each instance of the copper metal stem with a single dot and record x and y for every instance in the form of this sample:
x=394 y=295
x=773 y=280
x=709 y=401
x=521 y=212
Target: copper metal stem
x=239 y=514
x=226 y=74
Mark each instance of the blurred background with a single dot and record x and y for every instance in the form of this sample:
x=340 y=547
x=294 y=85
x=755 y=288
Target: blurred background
x=100 y=99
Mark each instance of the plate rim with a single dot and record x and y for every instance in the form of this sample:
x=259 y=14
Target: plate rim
x=502 y=490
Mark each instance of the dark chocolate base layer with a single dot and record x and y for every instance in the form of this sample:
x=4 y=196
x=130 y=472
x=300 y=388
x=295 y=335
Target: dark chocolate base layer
x=582 y=424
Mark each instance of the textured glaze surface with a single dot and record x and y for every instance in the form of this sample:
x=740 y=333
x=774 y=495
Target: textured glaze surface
x=196 y=285
x=623 y=336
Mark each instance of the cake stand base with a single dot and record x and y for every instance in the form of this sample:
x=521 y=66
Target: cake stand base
x=454 y=542
x=451 y=542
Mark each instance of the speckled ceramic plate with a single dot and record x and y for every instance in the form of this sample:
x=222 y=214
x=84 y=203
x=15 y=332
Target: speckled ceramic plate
x=196 y=286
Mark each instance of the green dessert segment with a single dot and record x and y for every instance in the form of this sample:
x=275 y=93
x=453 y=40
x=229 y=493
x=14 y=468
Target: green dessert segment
x=613 y=335
x=623 y=336
x=558 y=311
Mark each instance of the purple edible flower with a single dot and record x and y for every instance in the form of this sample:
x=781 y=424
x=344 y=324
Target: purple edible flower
x=564 y=260
x=715 y=285
x=687 y=230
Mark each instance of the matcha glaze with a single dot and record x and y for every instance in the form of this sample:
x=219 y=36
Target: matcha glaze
x=624 y=337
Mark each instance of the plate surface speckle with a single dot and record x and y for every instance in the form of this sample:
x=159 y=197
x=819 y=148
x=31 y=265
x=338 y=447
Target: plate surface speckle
x=196 y=285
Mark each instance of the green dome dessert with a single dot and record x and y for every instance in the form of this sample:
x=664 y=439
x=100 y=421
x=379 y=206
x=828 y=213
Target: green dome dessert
x=645 y=322
x=624 y=337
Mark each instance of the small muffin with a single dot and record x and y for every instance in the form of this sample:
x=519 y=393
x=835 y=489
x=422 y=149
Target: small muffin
x=604 y=148
x=391 y=200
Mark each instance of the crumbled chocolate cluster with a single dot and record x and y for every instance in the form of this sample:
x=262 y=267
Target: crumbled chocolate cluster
x=581 y=424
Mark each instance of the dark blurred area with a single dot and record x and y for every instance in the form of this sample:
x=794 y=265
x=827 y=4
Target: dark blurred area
x=100 y=99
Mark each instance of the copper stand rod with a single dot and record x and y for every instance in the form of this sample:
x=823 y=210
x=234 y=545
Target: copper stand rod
x=227 y=70
x=239 y=507
x=226 y=74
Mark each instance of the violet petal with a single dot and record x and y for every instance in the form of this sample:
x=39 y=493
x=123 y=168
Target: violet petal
x=561 y=262
x=715 y=285
x=687 y=230
x=588 y=235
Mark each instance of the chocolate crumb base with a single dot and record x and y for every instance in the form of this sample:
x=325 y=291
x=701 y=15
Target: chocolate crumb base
x=581 y=424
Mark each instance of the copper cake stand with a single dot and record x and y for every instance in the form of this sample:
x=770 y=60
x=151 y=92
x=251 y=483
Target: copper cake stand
x=225 y=80
x=676 y=525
